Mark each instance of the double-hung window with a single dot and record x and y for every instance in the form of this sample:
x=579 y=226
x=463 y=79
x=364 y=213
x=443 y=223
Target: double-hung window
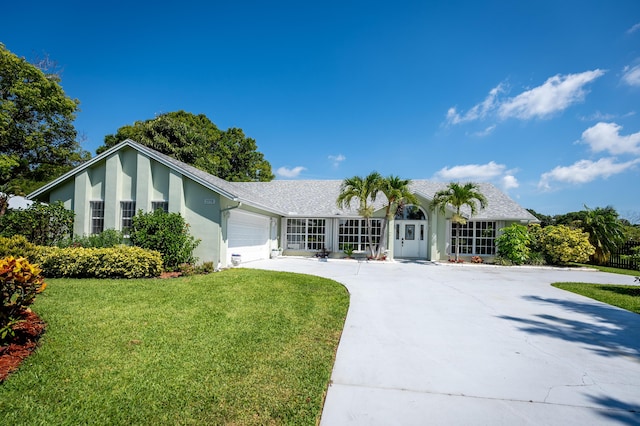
x=127 y=211
x=97 y=216
x=162 y=205
x=306 y=234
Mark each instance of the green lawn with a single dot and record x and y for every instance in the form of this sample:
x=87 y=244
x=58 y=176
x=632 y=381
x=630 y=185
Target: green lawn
x=622 y=296
x=621 y=271
x=236 y=347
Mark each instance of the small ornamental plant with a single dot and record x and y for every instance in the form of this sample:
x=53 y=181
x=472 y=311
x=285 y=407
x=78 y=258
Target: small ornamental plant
x=20 y=282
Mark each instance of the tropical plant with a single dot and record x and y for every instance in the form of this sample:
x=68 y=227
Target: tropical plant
x=348 y=250
x=20 y=282
x=605 y=230
x=398 y=195
x=364 y=190
x=513 y=244
x=458 y=195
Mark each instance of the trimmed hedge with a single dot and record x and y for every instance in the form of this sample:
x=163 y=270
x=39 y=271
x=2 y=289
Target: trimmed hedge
x=79 y=262
x=18 y=246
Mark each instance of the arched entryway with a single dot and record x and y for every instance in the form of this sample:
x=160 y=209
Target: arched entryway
x=410 y=231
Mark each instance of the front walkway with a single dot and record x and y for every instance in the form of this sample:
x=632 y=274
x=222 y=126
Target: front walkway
x=464 y=345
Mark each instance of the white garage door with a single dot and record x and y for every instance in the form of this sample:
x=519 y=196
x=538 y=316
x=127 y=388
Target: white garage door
x=248 y=236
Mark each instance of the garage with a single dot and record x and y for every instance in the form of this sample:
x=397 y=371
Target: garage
x=248 y=235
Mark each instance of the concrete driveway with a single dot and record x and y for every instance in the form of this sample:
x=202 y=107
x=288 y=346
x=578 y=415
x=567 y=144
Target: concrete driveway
x=444 y=344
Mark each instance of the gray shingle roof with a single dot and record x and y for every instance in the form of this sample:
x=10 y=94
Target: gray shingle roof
x=308 y=198
x=317 y=198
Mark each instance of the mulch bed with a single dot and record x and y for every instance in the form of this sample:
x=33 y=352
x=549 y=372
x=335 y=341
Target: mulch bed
x=27 y=335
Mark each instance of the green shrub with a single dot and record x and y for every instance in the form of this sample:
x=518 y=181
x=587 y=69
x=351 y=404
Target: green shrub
x=106 y=239
x=18 y=246
x=502 y=261
x=513 y=244
x=115 y=262
x=20 y=282
x=348 y=250
x=167 y=233
x=561 y=244
x=536 y=258
x=205 y=268
x=41 y=224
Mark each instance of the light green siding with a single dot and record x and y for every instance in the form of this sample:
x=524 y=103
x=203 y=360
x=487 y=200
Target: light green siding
x=143 y=183
x=160 y=182
x=202 y=213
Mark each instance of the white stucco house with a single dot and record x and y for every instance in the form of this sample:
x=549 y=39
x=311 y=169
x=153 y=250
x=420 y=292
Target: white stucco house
x=299 y=217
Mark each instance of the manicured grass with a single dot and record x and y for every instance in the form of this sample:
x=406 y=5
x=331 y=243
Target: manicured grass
x=623 y=296
x=237 y=347
x=610 y=269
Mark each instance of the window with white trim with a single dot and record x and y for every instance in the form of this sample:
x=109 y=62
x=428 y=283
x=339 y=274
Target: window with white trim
x=476 y=237
x=127 y=211
x=97 y=216
x=353 y=232
x=161 y=205
x=306 y=234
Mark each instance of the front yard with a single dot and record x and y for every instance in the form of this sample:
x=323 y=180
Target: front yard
x=235 y=347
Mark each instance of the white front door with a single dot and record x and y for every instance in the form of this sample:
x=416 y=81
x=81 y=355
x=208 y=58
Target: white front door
x=410 y=238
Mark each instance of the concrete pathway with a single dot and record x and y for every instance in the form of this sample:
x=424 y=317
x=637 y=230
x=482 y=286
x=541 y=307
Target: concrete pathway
x=444 y=344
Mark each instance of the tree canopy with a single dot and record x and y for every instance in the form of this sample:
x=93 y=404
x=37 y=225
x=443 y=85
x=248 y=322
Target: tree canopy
x=196 y=140
x=37 y=136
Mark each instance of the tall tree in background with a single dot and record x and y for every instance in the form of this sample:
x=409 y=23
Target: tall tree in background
x=364 y=190
x=458 y=195
x=37 y=137
x=398 y=195
x=195 y=140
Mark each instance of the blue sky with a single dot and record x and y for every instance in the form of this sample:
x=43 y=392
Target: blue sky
x=541 y=98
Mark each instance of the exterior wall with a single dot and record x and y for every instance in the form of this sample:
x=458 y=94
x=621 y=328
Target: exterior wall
x=202 y=212
x=128 y=175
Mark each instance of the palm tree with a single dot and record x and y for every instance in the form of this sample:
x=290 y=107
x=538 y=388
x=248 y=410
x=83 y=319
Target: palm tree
x=606 y=232
x=364 y=190
x=398 y=195
x=458 y=195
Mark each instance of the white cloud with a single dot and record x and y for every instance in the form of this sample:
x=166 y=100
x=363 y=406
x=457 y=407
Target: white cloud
x=337 y=159
x=584 y=171
x=509 y=182
x=597 y=116
x=633 y=29
x=290 y=173
x=606 y=137
x=485 y=132
x=479 y=111
x=631 y=75
x=472 y=171
x=554 y=95
x=490 y=172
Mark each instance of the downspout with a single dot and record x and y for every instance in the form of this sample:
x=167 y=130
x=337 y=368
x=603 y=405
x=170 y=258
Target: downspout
x=232 y=207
